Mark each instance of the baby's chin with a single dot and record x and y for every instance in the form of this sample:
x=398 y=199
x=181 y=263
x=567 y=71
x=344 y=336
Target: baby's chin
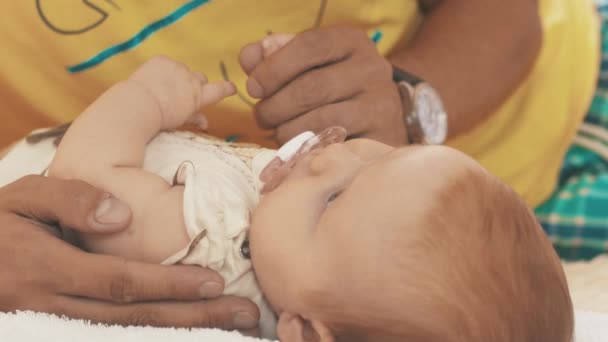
x=278 y=296
x=263 y=269
x=281 y=296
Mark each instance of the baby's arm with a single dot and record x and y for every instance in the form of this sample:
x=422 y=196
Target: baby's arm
x=105 y=147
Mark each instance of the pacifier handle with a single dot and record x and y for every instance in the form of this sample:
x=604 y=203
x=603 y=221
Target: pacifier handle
x=295 y=149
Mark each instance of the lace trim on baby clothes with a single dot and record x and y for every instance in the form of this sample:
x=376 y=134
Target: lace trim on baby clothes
x=225 y=151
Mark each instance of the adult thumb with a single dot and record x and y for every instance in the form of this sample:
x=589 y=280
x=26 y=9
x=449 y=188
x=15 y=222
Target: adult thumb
x=274 y=42
x=71 y=203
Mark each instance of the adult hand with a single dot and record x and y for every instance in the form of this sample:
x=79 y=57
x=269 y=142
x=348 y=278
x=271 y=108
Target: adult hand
x=325 y=77
x=40 y=272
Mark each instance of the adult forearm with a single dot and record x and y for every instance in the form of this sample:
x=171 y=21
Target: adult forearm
x=475 y=53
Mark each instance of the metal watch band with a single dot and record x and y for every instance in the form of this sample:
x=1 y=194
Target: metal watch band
x=406 y=84
x=400 y=75
x=410 y=120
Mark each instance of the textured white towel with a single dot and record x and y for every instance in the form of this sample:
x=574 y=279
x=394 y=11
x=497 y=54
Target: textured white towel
x=591 y=326
x=30 y=326
x=588 y=282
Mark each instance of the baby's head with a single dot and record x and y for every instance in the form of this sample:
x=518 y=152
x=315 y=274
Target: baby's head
x=364 y=242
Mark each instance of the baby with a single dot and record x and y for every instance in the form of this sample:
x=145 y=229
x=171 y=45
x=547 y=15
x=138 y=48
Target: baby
x=350 y=241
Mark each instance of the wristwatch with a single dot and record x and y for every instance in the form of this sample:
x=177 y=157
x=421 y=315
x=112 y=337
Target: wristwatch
x=427 y=121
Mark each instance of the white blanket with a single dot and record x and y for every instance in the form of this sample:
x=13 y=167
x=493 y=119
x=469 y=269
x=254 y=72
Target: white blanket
x=591 y=326
x=588 y=282
x=29 y=326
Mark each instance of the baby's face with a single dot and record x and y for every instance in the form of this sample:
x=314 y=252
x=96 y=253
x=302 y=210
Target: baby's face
x=327 y=225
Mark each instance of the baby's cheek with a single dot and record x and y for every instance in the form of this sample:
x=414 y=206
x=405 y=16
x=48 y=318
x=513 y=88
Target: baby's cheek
x=262 y=230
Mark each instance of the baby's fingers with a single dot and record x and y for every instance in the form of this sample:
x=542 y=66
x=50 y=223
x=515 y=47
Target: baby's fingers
x=213 y=92
x=200 y=77
x=199 y=120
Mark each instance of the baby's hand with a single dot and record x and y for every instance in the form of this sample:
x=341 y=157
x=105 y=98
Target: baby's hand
x=180 y=93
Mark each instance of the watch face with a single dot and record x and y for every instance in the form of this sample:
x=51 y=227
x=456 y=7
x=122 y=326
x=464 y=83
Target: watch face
x=431 y=115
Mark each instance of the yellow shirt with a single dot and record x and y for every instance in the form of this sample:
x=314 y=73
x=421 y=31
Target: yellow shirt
x=60 y=55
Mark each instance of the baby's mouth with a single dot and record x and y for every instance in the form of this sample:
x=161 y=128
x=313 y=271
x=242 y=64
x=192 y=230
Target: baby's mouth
x=293 y=151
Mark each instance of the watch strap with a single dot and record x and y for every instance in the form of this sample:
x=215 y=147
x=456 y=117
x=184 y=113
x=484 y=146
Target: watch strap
x=410 y=120
x=400 y=75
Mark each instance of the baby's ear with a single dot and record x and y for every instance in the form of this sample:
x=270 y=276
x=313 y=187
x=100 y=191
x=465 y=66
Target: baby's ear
x=274 y=42
x=294 y=328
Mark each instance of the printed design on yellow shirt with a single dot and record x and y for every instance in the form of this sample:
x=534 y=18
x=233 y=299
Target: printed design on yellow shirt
x=103 y=15
x=88 y=15
x=98 y=16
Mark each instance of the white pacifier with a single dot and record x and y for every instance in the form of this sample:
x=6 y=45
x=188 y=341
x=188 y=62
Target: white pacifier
x=294 y=150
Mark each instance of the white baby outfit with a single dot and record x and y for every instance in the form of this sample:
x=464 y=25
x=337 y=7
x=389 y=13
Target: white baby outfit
x=221 y=189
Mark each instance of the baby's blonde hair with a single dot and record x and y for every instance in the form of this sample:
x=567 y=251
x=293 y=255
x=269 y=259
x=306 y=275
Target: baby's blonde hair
x=477 y=267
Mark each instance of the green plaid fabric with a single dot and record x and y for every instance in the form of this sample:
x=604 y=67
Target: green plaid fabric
x=576 y=215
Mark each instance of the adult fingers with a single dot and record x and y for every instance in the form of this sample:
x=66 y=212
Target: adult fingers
x=342 y=114
x=225 y=312
x=117 y=280
x=274 y=42
x=305 y=51
x=371 y=113
x=250 y=56
x=315 y=88
x=71 y=203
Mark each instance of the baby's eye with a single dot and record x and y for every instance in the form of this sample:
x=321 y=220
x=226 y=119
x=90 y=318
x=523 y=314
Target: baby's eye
x=333 y=197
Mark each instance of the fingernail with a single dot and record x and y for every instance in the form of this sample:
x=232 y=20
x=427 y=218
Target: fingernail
x=211 y=289
x=111 y=211
x=254 y=88
x=244 y=320
x=266 y=43
x=269 y=46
